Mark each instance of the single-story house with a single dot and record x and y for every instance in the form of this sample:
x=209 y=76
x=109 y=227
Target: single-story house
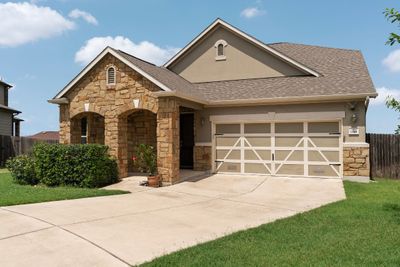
x=227 y=103
x=46 y=136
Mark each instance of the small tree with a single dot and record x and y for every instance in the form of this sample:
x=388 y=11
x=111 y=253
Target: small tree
x=393 y=16
x=146 y=159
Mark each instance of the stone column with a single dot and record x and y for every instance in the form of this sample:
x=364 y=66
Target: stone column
x=168 y=140
x=116 y=139
x=65 y=125
x=356 y=162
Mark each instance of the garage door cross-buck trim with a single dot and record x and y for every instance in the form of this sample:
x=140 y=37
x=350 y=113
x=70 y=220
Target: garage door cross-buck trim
x=312 y=149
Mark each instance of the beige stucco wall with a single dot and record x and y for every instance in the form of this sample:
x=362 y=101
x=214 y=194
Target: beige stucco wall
x=243 y=61
x=203 y=132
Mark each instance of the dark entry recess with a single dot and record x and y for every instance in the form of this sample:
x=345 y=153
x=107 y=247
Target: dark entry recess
x=186 y=140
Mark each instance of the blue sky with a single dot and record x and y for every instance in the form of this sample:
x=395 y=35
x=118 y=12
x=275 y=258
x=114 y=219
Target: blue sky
x=44 y=44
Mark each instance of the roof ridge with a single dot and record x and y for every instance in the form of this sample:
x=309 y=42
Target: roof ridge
x=126 y=53
x=318 y=46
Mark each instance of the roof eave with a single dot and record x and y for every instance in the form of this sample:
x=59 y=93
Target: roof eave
x=59 y=101
x=180 y=95
x=278 y=100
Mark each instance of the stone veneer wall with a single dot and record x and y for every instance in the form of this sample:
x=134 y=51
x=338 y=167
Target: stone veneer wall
x=115 y=104
x=356 y=161
x=168 y=140
x=202 y=158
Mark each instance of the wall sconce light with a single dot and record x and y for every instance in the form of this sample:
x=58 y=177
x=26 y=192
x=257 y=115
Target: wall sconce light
x=202 y=121
x=136 y=103
x=86 y=107
x=354 y=118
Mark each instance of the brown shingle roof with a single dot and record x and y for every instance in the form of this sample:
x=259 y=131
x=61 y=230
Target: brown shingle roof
x=163 y=75
x=343 y=72
x=46 y=135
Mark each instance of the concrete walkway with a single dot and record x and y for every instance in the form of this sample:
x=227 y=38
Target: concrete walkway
x=134 y=228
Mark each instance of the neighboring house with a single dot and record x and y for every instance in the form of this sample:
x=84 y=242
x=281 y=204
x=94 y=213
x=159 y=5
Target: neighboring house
x=227 y=103
x=9 y=123
x=46 y=135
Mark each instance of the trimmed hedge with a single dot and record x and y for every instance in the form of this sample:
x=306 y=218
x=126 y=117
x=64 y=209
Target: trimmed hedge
x=68 y=165
x=22 y=170
x=86 y=165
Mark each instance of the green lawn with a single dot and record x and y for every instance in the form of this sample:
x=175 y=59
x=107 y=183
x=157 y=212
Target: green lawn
x=14 y=194
x=363 y=230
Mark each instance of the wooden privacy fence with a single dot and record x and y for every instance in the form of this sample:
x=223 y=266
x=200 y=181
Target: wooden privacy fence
x=384 y=155
x=11 y=146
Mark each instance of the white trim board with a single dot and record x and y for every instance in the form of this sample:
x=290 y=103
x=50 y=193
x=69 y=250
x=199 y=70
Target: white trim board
x=220 y=22
x=355 y=144
x=272 y=116
x=109 y=50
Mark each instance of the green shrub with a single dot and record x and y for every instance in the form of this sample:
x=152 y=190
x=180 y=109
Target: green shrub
x=86 y=165
x=22 y=169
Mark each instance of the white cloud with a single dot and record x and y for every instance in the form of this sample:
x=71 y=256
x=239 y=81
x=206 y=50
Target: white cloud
x=144 y=50
x=21 y=23
x=392 y=61
x=89 y=18
x=252 y=12
x=383 y=93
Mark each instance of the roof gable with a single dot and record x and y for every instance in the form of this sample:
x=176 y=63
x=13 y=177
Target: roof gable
x=220 y=23
x=240 y=60
x=115 y=53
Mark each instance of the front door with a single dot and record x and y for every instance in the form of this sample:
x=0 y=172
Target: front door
x=186 y=140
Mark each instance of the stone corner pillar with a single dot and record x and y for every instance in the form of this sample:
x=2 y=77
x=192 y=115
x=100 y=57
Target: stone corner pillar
x=168 y=140
x=115 y=137
x=65 y=125
x=356 y=164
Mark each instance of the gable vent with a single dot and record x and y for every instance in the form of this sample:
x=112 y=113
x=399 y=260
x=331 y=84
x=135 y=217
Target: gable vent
x=111 y=76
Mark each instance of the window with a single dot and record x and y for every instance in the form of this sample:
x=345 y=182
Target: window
x=220 y=50
x=84 y=130
x=111 y=80
x=220 y=53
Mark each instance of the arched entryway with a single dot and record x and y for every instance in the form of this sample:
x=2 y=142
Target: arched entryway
x=87 y=128
x=137 y=126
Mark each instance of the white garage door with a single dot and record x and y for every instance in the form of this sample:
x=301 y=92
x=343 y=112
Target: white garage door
x=282 y=149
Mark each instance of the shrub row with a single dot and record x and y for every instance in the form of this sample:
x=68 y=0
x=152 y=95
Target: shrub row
x=66 y=165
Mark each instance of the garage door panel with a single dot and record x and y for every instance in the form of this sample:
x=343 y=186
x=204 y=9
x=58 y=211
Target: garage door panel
x=257 y=168
x=257 y=141
x=228 y=154
x=229 y=167
x=257 y=155
x=257 y=128
x=289 y=155
x=288 y=141
x=291 y=169
x=322 y=141
x=227 y=129
x=226 y=141
x=294 y=127
x=323 y=127
x=333 y=156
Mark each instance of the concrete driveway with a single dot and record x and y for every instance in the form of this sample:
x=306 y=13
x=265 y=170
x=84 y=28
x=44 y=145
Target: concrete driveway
x=134 y=228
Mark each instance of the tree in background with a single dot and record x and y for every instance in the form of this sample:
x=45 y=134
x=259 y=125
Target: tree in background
x=393 y=16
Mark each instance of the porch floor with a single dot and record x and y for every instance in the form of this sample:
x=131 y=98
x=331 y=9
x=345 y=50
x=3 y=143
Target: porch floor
x=132 y=182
